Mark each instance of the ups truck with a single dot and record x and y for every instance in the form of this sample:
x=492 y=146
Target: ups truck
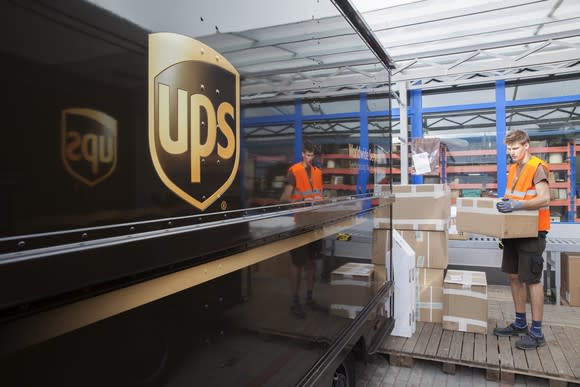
x=129 y=252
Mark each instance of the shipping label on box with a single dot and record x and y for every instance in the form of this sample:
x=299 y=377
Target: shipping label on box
x=429 y=295
x=480 y=216
x=351 y=288
x=431 y=247
x=465 y=301
x=570 y=286
x=417 y=207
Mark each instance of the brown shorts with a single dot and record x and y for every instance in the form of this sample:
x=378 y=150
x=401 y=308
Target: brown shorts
x=311 y=251
x=523 y=256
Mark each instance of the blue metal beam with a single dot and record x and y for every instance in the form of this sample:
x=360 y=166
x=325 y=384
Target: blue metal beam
x=544 y=101
x=500 y=130
x=416 y=124
x=287 y=120
x=297 y=130
x=290 y=119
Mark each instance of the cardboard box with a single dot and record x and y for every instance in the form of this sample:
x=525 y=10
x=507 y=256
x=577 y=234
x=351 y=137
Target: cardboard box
x=429 y=305
x=380 y=247
x=380 y=277
x=431 y=248
x=480 y=216
x=416 y=207
x=570 y=283
x=465 y=301
x=351 y=288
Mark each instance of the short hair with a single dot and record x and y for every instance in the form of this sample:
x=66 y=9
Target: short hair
x=517 y=136
x=307 y=146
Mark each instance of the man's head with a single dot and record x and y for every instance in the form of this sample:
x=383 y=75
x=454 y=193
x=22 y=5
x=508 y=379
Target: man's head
x=307 y=153
x=518 y=144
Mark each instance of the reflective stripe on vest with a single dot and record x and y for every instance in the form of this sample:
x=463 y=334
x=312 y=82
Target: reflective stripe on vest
x=525 y=189
x=303 y=189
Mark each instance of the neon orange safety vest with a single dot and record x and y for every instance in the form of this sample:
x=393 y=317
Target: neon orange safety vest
x=306 y=188
x=525 y=189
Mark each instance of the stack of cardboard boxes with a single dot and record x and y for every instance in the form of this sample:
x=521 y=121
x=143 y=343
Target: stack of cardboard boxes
x=421 y=216
x=352 y=288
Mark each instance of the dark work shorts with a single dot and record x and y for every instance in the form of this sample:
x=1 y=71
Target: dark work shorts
x=523 y=256
x=311 y=251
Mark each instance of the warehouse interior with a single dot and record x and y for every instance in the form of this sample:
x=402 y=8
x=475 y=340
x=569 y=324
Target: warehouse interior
x=467 y=74
x=407 y=103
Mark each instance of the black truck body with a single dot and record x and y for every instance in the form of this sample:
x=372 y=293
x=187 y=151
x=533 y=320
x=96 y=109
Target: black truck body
x=107 y=278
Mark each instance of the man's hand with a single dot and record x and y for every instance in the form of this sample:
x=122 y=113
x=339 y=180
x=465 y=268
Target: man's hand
x=509 y=205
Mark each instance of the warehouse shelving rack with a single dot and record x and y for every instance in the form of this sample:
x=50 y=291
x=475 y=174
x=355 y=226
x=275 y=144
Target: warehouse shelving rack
x=569 y=167
x=416 y=114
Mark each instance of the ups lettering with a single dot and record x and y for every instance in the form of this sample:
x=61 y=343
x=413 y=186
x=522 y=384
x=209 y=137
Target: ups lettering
x=190 y=138
x=90 y=147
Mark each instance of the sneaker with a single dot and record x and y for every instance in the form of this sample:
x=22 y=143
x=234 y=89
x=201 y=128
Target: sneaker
x=297 y=310
x=530 y=342
x=511 y=330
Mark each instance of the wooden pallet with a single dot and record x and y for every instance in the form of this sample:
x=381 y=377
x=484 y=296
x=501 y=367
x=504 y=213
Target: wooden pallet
x=558 y=360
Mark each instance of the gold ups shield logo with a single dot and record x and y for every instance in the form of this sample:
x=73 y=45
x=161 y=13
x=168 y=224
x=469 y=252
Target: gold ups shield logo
x=88 y=144
x=194 y=126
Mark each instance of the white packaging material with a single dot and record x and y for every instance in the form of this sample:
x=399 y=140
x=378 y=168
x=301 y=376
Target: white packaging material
x=405 y=278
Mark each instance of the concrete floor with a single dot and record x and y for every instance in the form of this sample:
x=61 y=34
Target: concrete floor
x=379 y=373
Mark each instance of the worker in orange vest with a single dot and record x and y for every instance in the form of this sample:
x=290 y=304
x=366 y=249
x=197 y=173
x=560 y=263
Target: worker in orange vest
x=304 y=182
x=527 y=189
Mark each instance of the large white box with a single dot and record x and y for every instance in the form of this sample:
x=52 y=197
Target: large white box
x=405 y=277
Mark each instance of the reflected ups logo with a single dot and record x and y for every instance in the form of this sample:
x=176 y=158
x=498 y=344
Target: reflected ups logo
x=194 y=133
x=89 y=144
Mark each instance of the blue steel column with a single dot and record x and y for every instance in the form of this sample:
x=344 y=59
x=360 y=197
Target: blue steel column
x=297 y=130
x=364 y=154
x=500 y=132
x=416 y=124
x=572 y=182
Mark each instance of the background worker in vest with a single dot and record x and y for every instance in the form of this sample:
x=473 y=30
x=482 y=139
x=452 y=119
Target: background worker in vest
x=303 y=182
x=527 y=189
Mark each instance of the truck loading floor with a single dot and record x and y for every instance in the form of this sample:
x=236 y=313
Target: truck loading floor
x=558 y=361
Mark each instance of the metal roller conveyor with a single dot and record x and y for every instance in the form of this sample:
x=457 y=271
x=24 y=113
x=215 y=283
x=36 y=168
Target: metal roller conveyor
x=554 y=247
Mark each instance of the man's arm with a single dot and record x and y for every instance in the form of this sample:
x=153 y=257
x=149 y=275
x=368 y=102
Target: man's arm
x=286 y=194
x=541 y=200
